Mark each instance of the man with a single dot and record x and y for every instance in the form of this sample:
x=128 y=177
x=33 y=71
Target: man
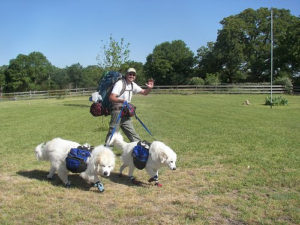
x=118 y=100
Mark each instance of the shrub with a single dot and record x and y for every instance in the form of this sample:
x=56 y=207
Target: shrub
x=212 y=79
x=196 y=81
x=286 y=82
x=277 y=100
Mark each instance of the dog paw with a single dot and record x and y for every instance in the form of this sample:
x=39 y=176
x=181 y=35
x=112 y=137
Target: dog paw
x=99 y=186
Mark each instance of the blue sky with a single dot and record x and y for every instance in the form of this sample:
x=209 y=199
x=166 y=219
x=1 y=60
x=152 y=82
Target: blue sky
x=73 y=31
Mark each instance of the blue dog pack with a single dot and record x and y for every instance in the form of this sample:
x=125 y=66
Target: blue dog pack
x=140 y=154
x=76 y=159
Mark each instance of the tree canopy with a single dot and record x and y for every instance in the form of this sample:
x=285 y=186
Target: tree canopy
x=114 y=54
x=170 y=63
x=241 y=53
x=242 y=49
x=27 y=72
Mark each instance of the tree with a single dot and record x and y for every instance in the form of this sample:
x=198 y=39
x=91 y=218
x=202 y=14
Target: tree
x=39 y=70
x=289 y=50
x=16 y=77
x=26 y=73
x=139 y=67
x=75 y=74
x=206 y=59
x=91 y=76
x=170 y=63
x=242 y=49
x=2 y=77
x=114 y=54
x=59 y=79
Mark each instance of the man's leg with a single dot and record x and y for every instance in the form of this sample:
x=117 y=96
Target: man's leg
x=112 y=123
x=129 y=130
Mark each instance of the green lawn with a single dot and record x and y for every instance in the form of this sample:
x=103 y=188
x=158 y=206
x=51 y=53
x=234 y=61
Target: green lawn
x=237 y=164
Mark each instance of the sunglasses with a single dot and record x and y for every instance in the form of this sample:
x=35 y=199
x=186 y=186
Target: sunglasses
x=132 y=74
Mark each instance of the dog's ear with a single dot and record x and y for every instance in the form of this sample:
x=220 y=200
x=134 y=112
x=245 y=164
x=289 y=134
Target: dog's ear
x=163 y=157
x=97 y=164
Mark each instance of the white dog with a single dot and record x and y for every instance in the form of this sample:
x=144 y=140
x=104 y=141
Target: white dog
x=159 y=155
x=101 y=161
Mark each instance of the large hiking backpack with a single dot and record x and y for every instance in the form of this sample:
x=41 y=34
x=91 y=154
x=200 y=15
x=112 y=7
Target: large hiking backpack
x=103 y=106
x=77 y=158
x=140 y=154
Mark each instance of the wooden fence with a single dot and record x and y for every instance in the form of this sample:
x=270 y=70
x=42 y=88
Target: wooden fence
x=220 y=89
x=167 y=89
x=46 y=94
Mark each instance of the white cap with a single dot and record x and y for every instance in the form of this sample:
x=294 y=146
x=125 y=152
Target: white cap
x=131 y=70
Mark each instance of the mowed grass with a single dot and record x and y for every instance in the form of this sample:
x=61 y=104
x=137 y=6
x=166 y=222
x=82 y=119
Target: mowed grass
x=237 y=164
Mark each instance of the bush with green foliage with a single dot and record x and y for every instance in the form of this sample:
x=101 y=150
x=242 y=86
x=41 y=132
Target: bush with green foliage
x=196 y=81
x=277 y=100
x=286 y=82
x=212 y=79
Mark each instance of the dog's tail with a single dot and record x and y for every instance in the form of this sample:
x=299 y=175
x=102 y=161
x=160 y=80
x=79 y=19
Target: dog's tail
x=118 y=141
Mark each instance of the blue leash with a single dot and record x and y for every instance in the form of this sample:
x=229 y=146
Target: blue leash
x=115 y=127
x=143 y=124
x=119 y=117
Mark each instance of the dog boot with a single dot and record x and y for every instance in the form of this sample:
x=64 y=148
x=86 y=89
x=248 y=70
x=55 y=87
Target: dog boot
x=100 y=186
x=155 y=178
x=158 y=184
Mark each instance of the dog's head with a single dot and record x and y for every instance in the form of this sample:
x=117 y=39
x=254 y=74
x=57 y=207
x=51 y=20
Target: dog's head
x=168 y=159
x=165 y=154
x=40 y=152
x=105 y=162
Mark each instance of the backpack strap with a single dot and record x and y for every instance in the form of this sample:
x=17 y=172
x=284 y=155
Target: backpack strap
x=131 y=90
x=123 y=87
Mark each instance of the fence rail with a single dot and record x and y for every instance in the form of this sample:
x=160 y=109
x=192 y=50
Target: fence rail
x=167 y=89
x=221 y=89
x=46 y=94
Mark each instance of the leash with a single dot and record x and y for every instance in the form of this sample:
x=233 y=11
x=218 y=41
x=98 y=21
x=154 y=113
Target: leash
x=149 y=132
x=119 y=117
x=115 y=127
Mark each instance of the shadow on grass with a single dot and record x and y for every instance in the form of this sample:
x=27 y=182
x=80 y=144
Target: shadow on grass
x=76 y=181
x=124 y=179
x=77 y=105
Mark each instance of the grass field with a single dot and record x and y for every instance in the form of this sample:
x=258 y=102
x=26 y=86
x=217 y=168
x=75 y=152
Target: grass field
x=237 y=164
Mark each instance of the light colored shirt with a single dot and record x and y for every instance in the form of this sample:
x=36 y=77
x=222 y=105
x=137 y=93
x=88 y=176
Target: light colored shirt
x=129 y=90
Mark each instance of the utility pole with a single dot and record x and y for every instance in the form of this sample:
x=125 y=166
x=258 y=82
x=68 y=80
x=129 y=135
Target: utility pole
x=271 y=56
